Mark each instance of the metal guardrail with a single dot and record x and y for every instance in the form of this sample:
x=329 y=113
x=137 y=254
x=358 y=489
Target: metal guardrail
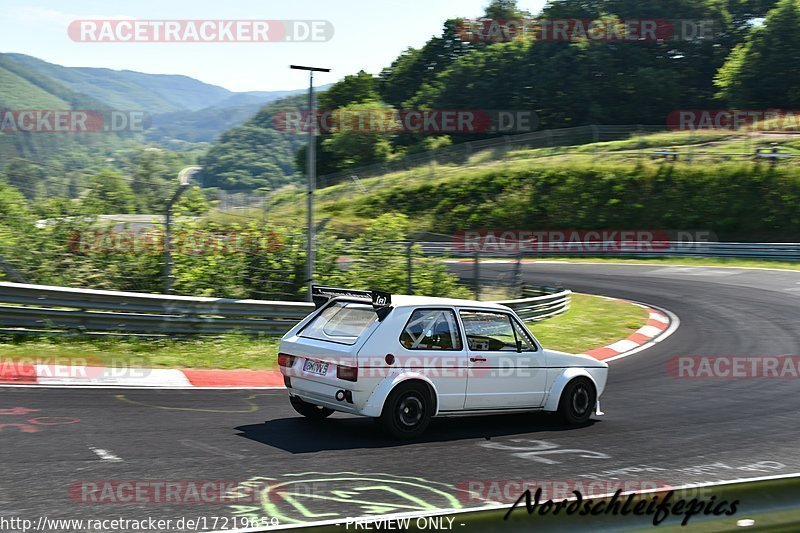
x=40 y=309
x=739 y=250
x=540 y=303
x=43 y=308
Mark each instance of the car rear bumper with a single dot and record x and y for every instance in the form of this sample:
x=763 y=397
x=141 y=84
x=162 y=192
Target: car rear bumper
x=323 y=394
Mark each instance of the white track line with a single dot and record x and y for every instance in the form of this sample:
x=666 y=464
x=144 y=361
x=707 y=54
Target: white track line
x=210 y=449
x=105 y=455
x=621 y=263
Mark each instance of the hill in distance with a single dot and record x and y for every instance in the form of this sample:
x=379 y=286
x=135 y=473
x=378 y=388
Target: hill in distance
x=181 y=108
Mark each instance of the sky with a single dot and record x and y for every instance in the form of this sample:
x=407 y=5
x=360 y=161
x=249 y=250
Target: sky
x=368 y=35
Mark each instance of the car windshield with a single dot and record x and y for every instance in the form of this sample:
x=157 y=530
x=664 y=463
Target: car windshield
x=341 y=322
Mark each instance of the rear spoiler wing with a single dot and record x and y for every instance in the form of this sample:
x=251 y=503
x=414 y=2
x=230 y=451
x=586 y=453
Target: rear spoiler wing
x=381 y=301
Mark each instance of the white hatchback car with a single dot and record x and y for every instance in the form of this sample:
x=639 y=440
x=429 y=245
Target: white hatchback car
x=405 y=359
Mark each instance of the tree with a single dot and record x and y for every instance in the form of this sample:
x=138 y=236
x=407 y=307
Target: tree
x=353 y=89
x=415 y=67
x=26 y=176
x=744 y=11
x=154 y=178
x=362 y=137
x=762 y=72
x=16 y=225
x=257 y=154
x=193 y=203
x=14 y=211
x=505 y=9
x=382 y=243
x=110 y=194
x=588 y=81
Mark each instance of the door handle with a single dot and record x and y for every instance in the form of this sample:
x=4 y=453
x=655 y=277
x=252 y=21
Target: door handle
x=477 y=359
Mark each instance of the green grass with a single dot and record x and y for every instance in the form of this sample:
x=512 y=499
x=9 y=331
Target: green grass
x=227 y=352
x=591 y=322
x=600 y=185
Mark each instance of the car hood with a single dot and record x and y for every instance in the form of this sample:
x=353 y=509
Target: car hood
x=563 y=359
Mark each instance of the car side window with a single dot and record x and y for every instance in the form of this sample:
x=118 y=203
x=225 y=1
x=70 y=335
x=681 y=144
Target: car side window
x=489 y=332
x=431 y=329
x=526 y=343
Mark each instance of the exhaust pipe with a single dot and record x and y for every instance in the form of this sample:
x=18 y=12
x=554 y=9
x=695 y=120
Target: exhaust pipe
x=344 y=395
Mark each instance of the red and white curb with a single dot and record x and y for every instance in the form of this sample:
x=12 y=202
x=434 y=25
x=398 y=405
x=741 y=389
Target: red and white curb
x=21 y=373
x=660 y=325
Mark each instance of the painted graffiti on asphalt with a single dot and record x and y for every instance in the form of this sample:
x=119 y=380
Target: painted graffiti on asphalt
x=34 y=424
x=536 y=450
x=312 y=496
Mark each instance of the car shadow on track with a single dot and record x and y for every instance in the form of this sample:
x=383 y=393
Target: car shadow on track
x=300 y=435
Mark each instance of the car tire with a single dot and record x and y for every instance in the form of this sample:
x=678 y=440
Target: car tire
x=407 y=411
x=577 y=402
x=310 y=410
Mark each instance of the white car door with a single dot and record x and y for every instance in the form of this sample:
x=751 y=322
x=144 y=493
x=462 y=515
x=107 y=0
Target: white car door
x=431 y=344
x=507 y=369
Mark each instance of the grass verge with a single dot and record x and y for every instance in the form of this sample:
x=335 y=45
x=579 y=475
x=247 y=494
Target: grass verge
x=591 y=322
x=226 y=352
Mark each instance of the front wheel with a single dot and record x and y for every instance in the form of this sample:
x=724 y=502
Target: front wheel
x=577 y=401
x=407 y=411
x=310 y=410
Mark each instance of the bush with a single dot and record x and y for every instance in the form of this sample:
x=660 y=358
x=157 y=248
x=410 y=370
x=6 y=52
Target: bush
x=737 y=201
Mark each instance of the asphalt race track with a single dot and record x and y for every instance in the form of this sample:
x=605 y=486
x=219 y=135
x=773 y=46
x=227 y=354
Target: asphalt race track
x=656 y=427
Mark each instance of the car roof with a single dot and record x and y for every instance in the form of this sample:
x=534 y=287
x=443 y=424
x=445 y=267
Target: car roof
x=402 y=300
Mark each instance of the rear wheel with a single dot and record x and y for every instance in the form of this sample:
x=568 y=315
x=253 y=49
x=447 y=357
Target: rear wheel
x=577 y=401
x=310 y=410
x=407 y=411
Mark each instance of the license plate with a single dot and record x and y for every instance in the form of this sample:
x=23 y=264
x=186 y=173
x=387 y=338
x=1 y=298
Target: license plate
x=315 y=367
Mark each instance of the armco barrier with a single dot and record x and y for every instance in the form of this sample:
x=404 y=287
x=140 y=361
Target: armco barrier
x=44 y=307
x=26 y=308
x=540 y=303
x=738 y=250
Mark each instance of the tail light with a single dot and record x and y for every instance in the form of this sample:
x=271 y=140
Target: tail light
x=347 y=373
x=285 y=360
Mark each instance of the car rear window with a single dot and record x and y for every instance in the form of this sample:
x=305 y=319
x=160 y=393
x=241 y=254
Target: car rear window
x=341 y=322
